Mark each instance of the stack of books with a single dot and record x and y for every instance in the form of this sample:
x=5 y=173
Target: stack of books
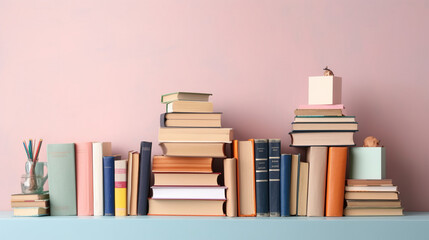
x=372 y=198
x=190 y=137
x=30 y=205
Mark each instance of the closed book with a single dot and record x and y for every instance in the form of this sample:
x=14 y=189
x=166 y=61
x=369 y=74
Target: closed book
x=193 y=149
x=189 y=192
x=285 y=178
x=121 y=187
x=30 y=211
x=371 y=196
x=84 y=184
x=182 y=164
x=185 y=179
x=294 y=174
x=99 y=150
x=318 y=112
x=109 y=185
x=369 y=182
x=261 y=176
x=144 y=177
x=186 y=207
x=303 y=189
x=322 y=106
x=191 y=120
x=317 y=158
x=31 y=203
x=185 y=96
x=319 y=119
x=129 y=180
x=244 y=153
x=62 y=179
x=230 y=179
x=373 y=211
x=29 y=196
x=324 y=126
x=135 y=183
x=189 y=106
x=335 y=181
x=274 y=152
x=371 y=188
x=195 y=135
x=308 y=139
x=373 y=203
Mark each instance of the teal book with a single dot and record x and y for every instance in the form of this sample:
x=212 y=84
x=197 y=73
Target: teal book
x=62 y=179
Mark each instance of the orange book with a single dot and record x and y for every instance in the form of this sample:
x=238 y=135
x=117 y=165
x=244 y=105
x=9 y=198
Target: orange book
x=336 y=180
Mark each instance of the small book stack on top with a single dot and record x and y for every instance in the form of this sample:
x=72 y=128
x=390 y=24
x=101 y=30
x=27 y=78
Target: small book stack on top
x=30 y=205
x=190 y=137
x=366 y=197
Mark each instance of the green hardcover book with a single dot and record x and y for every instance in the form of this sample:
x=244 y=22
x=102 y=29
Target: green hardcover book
x=62 y=179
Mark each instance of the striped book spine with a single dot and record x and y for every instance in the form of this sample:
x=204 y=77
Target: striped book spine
x=121 y=187
x=274 y=176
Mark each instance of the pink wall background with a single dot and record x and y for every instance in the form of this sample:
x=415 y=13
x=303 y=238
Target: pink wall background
x=75 y=71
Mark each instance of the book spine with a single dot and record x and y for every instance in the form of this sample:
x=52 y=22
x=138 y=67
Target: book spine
x=109 y=185
x=274 y=146
x=97 y=178
x=285 y=178
x=84 y=185
x=121 y=188
x=317 y=161
x=129 y=180
x=294 y=184
x=230 y=172
x=135 y=183
x=335 y=181
x=145 y=173
x=162 y=120
x=62 y=179
x=261 y=178
x=302 y=189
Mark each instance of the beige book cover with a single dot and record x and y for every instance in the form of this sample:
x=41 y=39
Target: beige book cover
x=303 y=189
x=294 y=184
x=135 y=183
x=129 y=176
x=317 y=161
x=230 y=179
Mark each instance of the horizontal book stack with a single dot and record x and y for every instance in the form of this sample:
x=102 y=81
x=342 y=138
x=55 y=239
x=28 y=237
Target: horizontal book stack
x=372 y=198
x=30 y=205
x=190 y=137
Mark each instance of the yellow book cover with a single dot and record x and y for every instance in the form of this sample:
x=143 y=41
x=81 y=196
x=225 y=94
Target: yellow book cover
x=121 y=187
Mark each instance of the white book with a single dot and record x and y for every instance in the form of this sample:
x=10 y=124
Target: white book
x=194 y=192
x=372 y=188
x=99 y=150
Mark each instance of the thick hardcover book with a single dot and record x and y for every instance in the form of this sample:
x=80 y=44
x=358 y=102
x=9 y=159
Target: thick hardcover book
x=274 y=152
x=230 y=176
x=195 y=135
x=335 y=181
x=294 y=176
x=317 y=160
x=185 y=96
x=84 y=186
x=186 y=207
x=194 y=149
x=189 y=106
x=99 y=150
x=190 y=120
x=144 y=177
x=303 y=189
x=62 y=179
x=285 y=178
x=322 y=138
x=121 y=187
x=109 y=185
x=261 y=176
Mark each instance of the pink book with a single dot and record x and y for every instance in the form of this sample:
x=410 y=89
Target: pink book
x=84 y=186
x=322 y=106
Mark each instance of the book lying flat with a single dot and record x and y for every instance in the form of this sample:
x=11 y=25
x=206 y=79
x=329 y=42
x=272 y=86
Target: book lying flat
x=324 y=126
x=189 y=106
x=191 y=120
x=371 y=188
x=193 y=149
x=369 y=182
x=189 y=192
x=27 y=197
x=181 y=164
x=373 y=211
x=31 y=203
x=30 y=211
x=181 y=207
x=185 y=179
x=185 y=96
x=195 y=135
x=322 y=106
x=374 y=203
x=320 y=119
x=318 y=112
x=305 y=139
x=372 y=195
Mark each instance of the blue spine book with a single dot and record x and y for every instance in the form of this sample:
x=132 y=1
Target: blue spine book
x=274 y=152
x=109 y=185
x=144 y=177
x=261 y=177
x=285 y=178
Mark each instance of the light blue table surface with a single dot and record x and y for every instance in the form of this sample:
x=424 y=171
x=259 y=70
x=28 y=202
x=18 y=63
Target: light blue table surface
x=414 y=225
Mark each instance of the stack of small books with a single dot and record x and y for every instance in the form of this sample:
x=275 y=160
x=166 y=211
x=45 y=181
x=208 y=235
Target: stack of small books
x=190 y=136
x=372 y=198
x=30 y=205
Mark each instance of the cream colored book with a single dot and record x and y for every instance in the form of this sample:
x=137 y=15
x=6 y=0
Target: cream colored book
x=294 y=184
x=317 y=161
x=230 y=179
x=303 y=189
x=99 y=150
x=195 y=135
x=135 y=183
x=189 y=106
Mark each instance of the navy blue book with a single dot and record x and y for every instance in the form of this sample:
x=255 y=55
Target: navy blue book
x=274 y=151
x=285 y=177
x=261 y=177
x=144 y=177
x=109 y=185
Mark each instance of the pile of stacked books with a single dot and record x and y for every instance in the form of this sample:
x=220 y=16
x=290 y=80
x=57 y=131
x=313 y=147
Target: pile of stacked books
x=372 y=198
x=30 y=205
x=190 y=137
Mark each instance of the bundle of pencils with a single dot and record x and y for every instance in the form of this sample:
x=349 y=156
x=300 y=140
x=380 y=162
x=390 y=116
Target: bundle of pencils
x=32 y=152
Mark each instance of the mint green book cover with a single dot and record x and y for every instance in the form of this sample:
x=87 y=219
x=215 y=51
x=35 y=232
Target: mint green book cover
x=367 y=163
x=62 y=179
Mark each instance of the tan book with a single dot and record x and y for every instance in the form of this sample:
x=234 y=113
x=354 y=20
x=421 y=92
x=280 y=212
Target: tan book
x=129 y=176
x=371 y=188
x=195 y=149
x=189 y=106
x=185 y=96
x=324 y=126
x=318 y=112
x=30 y=212
x=373 y=211
x=317 y=158
x=25 y=197
x=230 y=179
x=195 y=135
x=186 y=207
x=186 y=179
x=369 y=182
x=134 y=183
x=192 y=123
x=193 y=116
x=181 y=164
x=371 y=195
x=308 y=139
x=374 y=203
x=31 y=203
x=303 y=189
x=294 y=184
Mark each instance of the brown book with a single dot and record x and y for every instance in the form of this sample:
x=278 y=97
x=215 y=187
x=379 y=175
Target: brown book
x=195 y=135
x=186 y=179
x=244 y=153
x=371 y=195
x=187 y=207
x=317 y=160
x=30 y=212
x=303 y=189
x=318 y=112
x=369 y=182
x=230 y=178
x=185 y=96
x=306 y=139
x=25 y=197
x=193 y=116
x=294 y=184
x=189 y=106
x=31 y=203
x=324 y=126
x=374 y=203
x=336 y=181
x=373 y=211
x=181 y=164
x=134 y=183
x=195 y=149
